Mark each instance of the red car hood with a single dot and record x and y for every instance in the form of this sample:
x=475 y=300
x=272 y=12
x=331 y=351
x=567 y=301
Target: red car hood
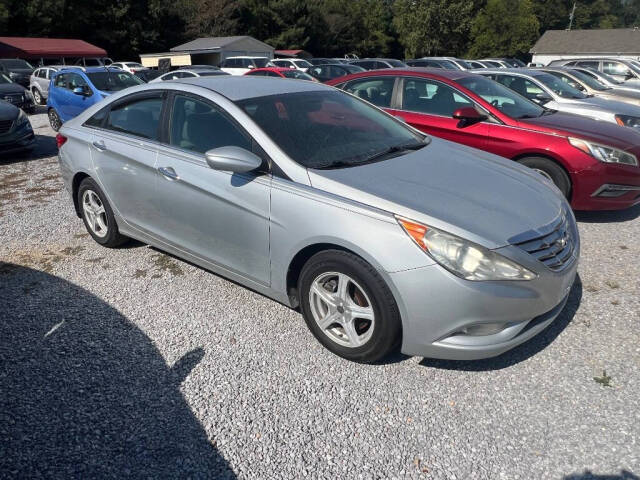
x=605 y=133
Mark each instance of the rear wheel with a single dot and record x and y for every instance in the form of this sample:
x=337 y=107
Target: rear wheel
x=54 y=120
x=348 y=306
x=37 y=97
x=97 y=215
x=551 y=171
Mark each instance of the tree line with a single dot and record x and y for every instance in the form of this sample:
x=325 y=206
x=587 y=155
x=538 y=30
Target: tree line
x=397 y=28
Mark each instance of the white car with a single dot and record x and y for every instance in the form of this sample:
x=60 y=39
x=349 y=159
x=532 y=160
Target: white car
x=241 y=65
x=184 y=73
x=131 y=67
x=297 y=63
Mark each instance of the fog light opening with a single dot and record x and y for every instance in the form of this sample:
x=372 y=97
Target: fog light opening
x=483 y=329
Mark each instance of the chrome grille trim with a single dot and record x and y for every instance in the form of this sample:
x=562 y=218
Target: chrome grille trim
x=555 y=249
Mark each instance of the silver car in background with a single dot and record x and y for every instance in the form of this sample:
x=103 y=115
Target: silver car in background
x=39 y=82
x=381 y=236
x=552 y=93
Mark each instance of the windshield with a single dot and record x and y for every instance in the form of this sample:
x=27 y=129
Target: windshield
x=396 y=63
x=501 y=97
x=448 y=65
x=600 y=76
x=353 y=68
x=211 y=73
x=16 y=63
x=462 y=63
x=329 y=129
x=558 y=87
x=133 y=64
x=302 y=63
x=590 y=81
x=108 y=81
x=296 y=74
x=260 y=62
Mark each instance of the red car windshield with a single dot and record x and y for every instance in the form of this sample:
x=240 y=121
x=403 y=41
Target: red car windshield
x=501 y=97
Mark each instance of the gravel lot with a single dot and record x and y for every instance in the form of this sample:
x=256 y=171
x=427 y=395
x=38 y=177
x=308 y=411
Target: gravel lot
x=130 y=363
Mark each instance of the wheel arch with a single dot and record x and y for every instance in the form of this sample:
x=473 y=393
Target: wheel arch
x=75 y=186
x=547 y=156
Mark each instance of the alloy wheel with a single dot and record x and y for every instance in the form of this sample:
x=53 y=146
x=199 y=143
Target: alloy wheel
x=342 y=309
x=54 y=120
x=95 y=213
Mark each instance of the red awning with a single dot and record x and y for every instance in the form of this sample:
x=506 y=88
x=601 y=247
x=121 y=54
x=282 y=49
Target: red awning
x=25 y=47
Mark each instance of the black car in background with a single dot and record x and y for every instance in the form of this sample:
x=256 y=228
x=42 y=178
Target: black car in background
x=327 y=72
x=147 y=75
x=16 y=133
x=16 y=94
x=17 y=70
x=378 y=63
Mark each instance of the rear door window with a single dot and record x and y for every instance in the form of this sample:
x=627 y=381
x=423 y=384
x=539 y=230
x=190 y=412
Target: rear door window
x=140 y=117
x=378 y=91
x=615 y=68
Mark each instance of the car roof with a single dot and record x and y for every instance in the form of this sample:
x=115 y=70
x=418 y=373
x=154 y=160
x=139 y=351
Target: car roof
x=436 y=73
x=274 y=69
x=243 y=87
x=526 y=72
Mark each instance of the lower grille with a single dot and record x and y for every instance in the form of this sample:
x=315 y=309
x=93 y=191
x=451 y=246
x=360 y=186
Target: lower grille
x=5 y=125
x=554 y=249
x=14 y=98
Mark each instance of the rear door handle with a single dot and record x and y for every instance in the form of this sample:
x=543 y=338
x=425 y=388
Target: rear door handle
x=99 y=145
x=168 y=172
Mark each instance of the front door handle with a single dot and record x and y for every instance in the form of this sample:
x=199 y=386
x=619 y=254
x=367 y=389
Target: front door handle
x=99 y=145
x=168 y=172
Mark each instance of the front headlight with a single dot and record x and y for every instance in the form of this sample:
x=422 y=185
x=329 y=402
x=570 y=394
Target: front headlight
x=603 y=153
x=628 y=121
x=22 y=119
x=463 y=258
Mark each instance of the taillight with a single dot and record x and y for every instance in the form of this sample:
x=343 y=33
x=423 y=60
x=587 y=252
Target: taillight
x=60 y=140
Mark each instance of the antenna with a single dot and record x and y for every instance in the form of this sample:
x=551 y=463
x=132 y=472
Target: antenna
x=571 y=15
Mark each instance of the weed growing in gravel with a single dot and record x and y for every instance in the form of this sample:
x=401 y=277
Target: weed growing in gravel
x=615 y=302
x=612 y=284
x=624 y=247
x=591 y=288
x=604 y=380
x=164 y=263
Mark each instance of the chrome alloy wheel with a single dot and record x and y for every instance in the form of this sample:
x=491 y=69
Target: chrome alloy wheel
x=341 y=309
x=95 y=213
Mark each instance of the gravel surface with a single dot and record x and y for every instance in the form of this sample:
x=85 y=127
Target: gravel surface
x=131 y=363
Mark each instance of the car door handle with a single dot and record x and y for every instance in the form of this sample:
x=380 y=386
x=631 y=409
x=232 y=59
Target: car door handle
x=168 y=172
x=99 y=145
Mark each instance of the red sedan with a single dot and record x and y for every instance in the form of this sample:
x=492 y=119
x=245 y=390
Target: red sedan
x=280 y=72
x=594 y=163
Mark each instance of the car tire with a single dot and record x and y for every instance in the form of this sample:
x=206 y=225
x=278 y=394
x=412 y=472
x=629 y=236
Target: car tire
x=37 y=97
x=551 y=170
x=97 y=215
x=54 y=120
x=376 y=334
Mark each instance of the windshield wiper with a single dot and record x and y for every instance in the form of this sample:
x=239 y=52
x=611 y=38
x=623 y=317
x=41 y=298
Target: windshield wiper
x=376 y=156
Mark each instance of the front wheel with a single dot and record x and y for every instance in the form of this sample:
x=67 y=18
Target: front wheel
x=551 y=171
x=348 y=306
x=37 y=97
x=54 y=120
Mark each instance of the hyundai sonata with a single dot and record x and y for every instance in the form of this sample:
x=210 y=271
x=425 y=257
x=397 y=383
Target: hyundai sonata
x=382 y=236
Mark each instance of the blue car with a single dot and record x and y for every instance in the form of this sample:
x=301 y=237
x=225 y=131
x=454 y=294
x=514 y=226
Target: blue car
x=73 y=90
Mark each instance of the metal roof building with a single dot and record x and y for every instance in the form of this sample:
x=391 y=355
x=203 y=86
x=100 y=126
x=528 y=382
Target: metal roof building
x=210 y=51
x=47 y=48
x=606 y=42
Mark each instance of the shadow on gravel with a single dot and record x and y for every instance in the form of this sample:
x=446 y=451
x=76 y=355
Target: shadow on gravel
x=521 y=352
x=614 y=216
x=85 y=393
x=587 y=475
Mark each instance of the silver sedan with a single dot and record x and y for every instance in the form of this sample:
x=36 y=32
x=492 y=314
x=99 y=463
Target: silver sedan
x=383 y=237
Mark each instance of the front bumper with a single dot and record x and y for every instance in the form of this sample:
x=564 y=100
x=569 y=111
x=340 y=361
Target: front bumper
x=605 y=186
x=436 y=305
x=17 y=143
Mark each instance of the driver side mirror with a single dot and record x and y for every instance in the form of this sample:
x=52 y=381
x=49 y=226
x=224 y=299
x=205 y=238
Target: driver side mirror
x=468 y=116
x=232 y=159
x=82 y=91
x=541 y=98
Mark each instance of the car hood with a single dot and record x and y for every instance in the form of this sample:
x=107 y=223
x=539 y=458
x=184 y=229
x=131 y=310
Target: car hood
x=599 y=131
x=614 y=93
x=467 y=192
x=11 y=88
x=22 y=71
x=8 y=111
x=612 y=105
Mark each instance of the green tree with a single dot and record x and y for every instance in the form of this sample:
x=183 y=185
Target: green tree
x=433 y=27
x=504 y=28
x=598 y=14
x=552 y=14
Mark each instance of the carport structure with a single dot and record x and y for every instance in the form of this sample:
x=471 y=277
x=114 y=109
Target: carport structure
x=48 y=51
